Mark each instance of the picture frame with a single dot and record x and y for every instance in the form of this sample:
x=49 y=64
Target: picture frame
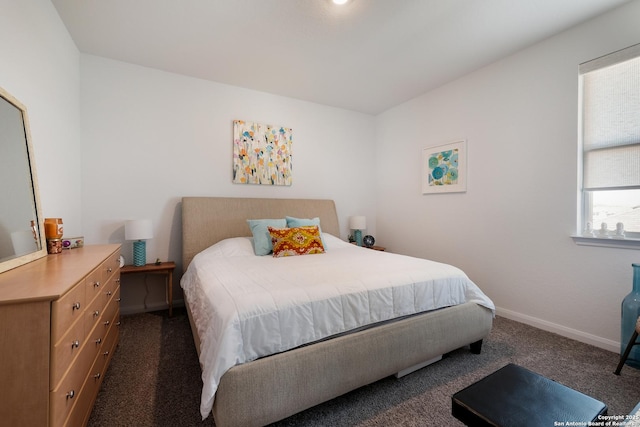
x=444 y=168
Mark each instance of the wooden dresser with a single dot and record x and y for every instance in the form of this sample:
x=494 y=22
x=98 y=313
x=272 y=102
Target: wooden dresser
x=59 y=326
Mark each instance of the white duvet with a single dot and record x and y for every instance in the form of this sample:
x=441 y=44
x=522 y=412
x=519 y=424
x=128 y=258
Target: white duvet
x=246 y=306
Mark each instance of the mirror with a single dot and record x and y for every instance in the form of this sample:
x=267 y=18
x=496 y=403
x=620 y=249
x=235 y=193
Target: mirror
x=21 y=223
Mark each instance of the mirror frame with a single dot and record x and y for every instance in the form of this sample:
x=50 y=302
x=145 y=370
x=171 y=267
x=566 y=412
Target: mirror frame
x=42 y=252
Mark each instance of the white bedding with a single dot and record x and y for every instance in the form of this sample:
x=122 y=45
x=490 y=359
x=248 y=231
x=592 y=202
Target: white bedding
x=246 y=306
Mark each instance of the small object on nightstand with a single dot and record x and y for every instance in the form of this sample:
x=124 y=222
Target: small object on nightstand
x=368 y=241
x=158 y=261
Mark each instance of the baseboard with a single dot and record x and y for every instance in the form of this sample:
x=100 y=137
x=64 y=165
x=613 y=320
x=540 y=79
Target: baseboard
x=560 y=330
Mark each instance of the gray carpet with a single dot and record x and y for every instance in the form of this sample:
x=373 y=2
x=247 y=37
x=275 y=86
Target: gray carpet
x=154 y=379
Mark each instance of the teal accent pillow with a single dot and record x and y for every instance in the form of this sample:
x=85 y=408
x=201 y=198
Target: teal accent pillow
x=305 y=222
x=261 y=237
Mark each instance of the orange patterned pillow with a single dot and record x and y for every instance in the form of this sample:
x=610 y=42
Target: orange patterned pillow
x=296 y=241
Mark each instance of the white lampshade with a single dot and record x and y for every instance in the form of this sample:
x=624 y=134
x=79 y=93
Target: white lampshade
x=138 y=229
x=358 y=222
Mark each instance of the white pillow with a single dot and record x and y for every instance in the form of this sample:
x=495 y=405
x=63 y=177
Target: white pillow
x=234 y=246
x=332 y=241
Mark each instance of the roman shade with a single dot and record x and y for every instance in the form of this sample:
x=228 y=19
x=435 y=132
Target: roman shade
x=611 y=121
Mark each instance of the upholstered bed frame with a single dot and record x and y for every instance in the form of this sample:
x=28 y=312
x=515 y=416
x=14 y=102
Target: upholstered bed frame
x=275 y=387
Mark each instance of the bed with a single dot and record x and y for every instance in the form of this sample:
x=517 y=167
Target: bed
x=250 y=387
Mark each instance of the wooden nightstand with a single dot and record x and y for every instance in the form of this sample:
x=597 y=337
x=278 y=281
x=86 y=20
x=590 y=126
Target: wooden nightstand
x=162 y=268
x=374 y=247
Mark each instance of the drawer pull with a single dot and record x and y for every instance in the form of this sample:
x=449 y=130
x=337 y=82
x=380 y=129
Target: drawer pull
x=96 y=313
x=109 y=293
x=105 y=354
x=99 y=340
x=71 y=394
x=118 y=300
x=96 y=284
x=75 y=306
x=75 y=344
x=118 y=323
x=96 y=376
x=109 y=269
x=118 y=280
x=107 y=323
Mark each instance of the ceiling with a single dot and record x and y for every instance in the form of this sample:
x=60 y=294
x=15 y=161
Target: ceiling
x=367 y=56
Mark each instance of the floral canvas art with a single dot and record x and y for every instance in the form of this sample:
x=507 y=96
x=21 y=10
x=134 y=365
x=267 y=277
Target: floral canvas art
x=444 y=168
x=261 y=153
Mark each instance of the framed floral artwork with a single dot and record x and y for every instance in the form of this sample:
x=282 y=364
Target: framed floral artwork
x=261 y=153
x=444 y=168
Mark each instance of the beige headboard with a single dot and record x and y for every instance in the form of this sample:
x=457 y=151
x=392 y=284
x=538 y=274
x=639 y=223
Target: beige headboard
x=207 y=220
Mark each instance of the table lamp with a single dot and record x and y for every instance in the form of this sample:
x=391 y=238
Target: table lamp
x=138 y=230
x=357 y=224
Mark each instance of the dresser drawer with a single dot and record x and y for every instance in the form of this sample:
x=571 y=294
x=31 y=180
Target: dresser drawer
x=67 y=310
x=111 y=308
x=96 y=339
x=67 y=393
x=79 y=414
x=94 y=283
x=101 y=293
x=93 y=313
x=109 y=318
x=102 y=323
x=109 y=288
x=64 y=352
x=110 y=266
x=82 y=410
x=113 y=335
x=96 y=355
x=103 y=359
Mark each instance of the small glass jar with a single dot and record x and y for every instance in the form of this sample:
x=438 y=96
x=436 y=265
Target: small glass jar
x=54 y=246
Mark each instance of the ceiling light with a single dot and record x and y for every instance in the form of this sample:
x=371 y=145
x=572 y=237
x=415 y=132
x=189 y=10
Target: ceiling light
x=340 y=2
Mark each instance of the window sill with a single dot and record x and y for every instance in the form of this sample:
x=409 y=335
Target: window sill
x=627 y=243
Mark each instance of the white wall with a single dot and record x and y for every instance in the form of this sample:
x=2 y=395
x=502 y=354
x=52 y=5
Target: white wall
x=510 y=230
x=151 y=137
x=40 y=68
x=146 y=138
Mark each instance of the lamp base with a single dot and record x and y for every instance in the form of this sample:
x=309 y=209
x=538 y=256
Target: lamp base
x=139 y=253
x=358 y=235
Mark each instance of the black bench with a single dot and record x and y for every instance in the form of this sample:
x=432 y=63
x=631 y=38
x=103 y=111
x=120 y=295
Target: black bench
x=515 y=396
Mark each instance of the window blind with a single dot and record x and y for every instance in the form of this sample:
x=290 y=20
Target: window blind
x=611 y=121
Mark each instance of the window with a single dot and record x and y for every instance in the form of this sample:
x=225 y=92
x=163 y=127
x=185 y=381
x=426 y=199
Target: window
x=610 y=144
